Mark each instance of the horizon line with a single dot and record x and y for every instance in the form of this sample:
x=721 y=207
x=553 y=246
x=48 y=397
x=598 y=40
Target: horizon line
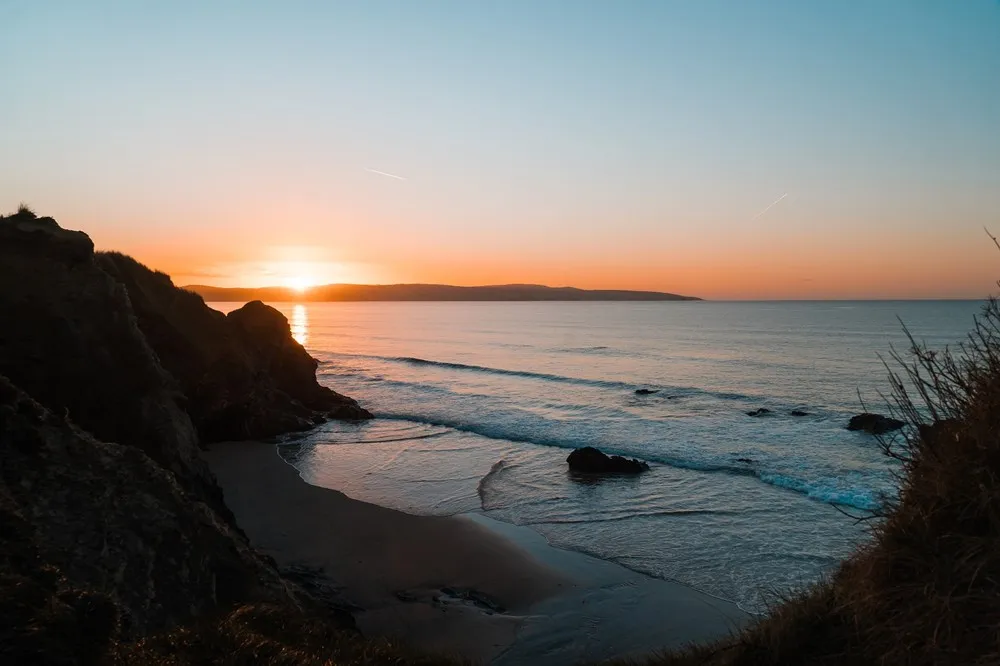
x=304 y=293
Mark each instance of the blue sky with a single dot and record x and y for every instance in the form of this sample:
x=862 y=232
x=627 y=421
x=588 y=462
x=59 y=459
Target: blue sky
x=595 y=143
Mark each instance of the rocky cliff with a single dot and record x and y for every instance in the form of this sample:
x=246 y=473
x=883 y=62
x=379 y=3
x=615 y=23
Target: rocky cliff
x=70 y=341
x=106 y=518
x=243 y=375
x=111 y=524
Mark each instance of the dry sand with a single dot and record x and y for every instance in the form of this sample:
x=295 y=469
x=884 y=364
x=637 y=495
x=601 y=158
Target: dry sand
x=462 y=585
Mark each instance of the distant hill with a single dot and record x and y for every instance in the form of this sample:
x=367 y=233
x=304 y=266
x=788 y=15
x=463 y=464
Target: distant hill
x=429 y=292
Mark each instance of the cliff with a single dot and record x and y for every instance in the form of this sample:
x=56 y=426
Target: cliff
x=105 y=526
x=111 y=524
x=243 y=375
x=70 y=340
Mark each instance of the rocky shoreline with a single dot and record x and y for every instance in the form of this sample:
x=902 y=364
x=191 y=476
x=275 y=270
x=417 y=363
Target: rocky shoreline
x=112 y=381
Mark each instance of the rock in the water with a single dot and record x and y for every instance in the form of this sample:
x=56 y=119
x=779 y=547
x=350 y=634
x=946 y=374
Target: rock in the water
x=799 y=412
x=592 y=461
x=748 y=461
x=876 y=424
x=759 y=412
x=646 y=391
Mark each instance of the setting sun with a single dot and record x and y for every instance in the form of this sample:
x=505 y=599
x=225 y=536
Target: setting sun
x=300 y=283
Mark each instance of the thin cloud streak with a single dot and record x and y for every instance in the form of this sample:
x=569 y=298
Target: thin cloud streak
x=383 y=173
x=773 y=204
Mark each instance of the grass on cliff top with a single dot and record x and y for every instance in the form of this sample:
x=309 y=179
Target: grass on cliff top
x=926 y=590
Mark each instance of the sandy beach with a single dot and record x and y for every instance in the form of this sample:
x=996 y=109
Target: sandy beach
x=463 y=585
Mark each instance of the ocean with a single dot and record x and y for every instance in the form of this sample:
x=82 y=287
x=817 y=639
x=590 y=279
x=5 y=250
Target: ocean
x=478 y=405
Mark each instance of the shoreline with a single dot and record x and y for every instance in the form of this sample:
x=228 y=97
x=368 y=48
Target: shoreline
x=463 y=585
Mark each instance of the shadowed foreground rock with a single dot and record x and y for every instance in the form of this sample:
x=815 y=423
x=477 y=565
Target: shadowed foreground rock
x=69 y=340
x=589 y=460
x=113 y=522
x=876 y=424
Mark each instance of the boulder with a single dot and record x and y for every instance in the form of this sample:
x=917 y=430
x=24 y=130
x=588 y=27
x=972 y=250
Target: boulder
x=644 y=391
x=592 y=461
x=759 y=412
x=876 y=424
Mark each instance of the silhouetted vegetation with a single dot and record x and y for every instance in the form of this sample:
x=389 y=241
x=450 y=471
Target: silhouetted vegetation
x=23 y=212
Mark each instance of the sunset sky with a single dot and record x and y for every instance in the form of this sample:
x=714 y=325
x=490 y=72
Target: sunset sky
x=610 y=144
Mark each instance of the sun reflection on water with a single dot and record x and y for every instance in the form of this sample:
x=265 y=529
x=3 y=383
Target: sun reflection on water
x=300 y=324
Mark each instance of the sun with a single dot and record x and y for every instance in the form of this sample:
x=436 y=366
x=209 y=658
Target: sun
x=299 y=283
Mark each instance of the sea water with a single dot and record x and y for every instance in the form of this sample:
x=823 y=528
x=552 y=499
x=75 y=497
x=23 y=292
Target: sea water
x=478 y=405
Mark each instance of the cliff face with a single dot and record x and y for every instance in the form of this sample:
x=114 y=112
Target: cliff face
x=107 y=519
x=70 y=341
x=244 y=375
x=111 y=524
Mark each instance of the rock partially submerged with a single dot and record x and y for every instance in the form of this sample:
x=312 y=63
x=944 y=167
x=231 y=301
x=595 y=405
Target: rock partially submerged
x=799 y=412
x=875 y=424
x=645 y=391
x=763 y=411
x=589 y=460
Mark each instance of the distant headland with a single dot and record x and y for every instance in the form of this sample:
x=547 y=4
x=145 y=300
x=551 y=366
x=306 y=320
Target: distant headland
x=428 y=292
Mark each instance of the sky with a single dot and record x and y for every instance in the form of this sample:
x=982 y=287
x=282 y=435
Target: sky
x=599 y=144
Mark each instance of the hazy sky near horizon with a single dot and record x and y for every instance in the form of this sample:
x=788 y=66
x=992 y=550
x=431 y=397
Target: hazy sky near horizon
x=617 y=144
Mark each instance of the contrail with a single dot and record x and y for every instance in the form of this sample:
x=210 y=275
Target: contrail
x=773 y=204
x=383 y=173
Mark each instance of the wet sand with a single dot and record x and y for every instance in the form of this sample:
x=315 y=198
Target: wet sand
x=462 y=585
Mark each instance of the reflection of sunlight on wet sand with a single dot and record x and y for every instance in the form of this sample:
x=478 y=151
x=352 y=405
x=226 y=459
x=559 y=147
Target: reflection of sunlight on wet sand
x=300 y=324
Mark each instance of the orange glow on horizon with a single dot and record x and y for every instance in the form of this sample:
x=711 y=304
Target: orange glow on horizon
x=815 y=263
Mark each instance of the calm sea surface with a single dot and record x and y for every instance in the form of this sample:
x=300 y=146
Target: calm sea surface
x=478 y=405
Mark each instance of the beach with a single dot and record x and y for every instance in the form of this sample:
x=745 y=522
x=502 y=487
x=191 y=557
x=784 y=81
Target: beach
x=462 y=585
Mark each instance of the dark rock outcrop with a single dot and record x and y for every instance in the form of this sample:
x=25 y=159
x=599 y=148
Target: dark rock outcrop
x=69 y=339
x=876 y=424
x=646 y=391
x=244 y=375
x=109 y=520
x=763 y=411
x=592 y=461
